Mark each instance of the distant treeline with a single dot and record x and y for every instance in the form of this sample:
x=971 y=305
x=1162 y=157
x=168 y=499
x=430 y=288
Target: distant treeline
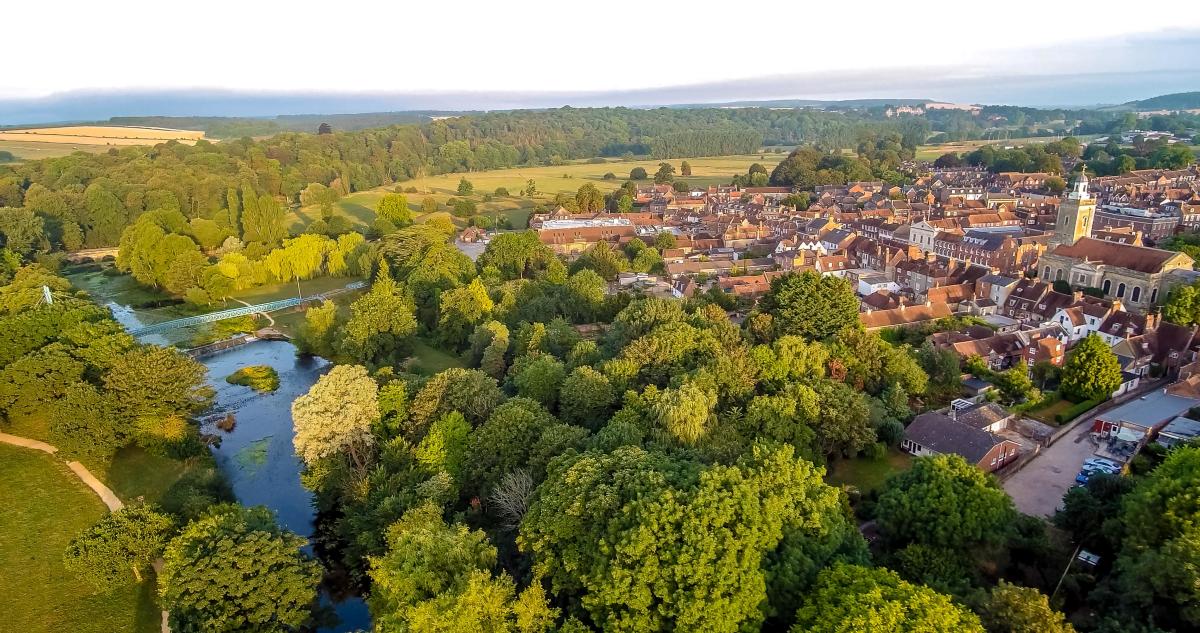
x=88 y=200
x=1004 y=122
x=220 y=127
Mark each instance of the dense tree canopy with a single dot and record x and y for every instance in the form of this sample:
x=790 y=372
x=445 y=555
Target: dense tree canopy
x=120 y=548
x=810 y=305
x=380 y=324
x=336 y=416
x=852 y=598
x=944 y=502
x=1159 y=562
x=1092 y=371
x=1014 y=609
x=681 y=558
x=235 y=570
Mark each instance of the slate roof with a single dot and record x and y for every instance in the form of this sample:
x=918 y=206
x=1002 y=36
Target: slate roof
x=1139 y=258
x=983 y=415
x=938 y=433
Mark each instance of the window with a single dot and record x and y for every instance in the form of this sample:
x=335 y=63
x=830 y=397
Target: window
x=1047 y=275
x=1137 y=294
x=1107 y=287
x=1058 y=274
x=1154 y=295
x=1121 y=291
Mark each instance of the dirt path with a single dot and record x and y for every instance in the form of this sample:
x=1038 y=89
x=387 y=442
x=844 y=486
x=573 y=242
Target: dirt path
x=268 y=316
x=106 y=495
x=25 y=442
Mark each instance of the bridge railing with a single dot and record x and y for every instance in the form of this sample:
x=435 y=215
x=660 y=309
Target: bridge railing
x=233 y=313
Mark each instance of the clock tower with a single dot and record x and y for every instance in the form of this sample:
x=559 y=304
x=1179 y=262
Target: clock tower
x=1075 y=214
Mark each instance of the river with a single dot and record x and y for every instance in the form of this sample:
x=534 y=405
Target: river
x=257 y=455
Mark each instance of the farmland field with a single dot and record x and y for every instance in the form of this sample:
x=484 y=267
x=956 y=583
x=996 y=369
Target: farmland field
x=359 y=207
x=32 y=150
x=50 y=142
x=931 y=152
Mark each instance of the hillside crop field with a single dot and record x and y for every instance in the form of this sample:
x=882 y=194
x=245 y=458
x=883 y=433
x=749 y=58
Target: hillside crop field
x=51 y=142
x=359 y=207
x=32 y=150
x=932 y=152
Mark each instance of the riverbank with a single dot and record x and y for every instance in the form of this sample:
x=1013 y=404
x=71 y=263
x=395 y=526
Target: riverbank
x=256 y=455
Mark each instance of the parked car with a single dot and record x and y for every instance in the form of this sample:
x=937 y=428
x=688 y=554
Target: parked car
x=1096 y=468
x=1102 y=462
x=1082 y=477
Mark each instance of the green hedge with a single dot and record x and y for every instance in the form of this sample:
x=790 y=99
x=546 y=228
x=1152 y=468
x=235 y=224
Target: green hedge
x=1075 y=411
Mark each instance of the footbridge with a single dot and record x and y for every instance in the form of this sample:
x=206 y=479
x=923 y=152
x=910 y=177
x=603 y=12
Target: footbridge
x=261 y=308
x=92 y=254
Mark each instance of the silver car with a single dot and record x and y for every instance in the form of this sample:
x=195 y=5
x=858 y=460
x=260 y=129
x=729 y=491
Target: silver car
x=1101 y=463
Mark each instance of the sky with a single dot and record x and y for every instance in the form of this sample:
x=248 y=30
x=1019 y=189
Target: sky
x=534 y=53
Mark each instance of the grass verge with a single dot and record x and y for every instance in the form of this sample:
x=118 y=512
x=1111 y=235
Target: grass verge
x=44 y=507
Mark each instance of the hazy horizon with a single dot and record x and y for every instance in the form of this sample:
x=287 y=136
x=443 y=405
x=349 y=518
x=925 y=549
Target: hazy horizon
x=550 y=55
x=1048 y=91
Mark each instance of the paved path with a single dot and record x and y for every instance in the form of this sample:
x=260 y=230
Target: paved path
x=1038 y=488
x=27 y=443
x=106 y=495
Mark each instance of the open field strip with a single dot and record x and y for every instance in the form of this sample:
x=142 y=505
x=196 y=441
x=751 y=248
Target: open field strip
x=359 y=207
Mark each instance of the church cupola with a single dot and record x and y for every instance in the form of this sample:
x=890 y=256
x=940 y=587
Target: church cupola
x=1079 y=191
x=1075 y=213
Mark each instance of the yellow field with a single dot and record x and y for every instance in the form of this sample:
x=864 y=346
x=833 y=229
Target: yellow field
x=101 y=135
x=31 y=150
x=360 y=206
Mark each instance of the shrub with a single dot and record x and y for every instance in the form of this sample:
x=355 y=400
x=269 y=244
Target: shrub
x=501 y=191
x=258 y=377
x=890 y=432
x=874 y=451
x=1075 y=411
x=610 y=176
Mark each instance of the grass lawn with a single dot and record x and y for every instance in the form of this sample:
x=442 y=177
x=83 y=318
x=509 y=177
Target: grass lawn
x=867 y=474
x=1046 y=414
x=359 y=207
x=122 y=289
x=131 y=473
x=136 y=474
x=931 y=152
x=44 y=507
x=431 y=360
x=287 y=290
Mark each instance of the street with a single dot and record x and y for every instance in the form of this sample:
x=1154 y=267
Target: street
x=1038 y=488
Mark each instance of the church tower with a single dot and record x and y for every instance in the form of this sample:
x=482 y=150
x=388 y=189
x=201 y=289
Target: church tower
x=1075 y=214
